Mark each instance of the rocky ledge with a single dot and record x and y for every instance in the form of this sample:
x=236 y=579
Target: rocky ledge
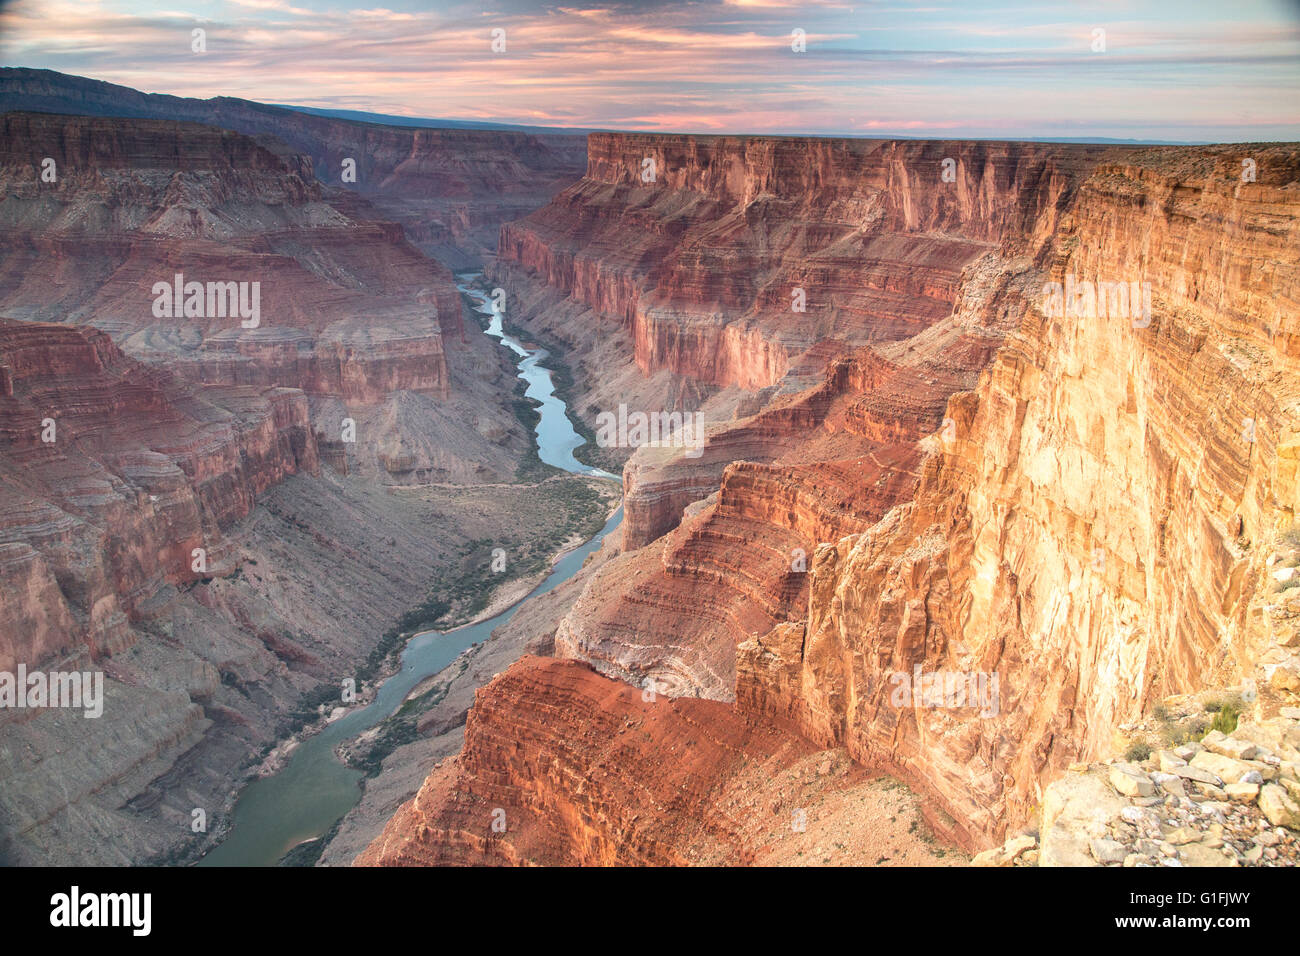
x=1226 y=800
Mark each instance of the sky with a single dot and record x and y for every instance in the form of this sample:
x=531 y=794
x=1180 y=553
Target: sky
x=1179 y=70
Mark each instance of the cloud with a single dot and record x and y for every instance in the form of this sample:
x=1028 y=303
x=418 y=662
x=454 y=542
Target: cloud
x=277 y=5
x=1173 y=70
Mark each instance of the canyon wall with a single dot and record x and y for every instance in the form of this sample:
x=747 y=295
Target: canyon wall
x=134 y=436
x=1095 y=532
x=703 y=265
x=450 y=188
x=114 y=473
x=346 y=307
x=349 y=311
x=615 y=777
x=1002 y=484
x=858 y=222
x=589 y=790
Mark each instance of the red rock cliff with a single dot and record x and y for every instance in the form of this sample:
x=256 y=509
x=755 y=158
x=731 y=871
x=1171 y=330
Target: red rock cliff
x=1095 y=531
x=346 y=308
x=1078 y=504
x=571 y=769
x=702 y=264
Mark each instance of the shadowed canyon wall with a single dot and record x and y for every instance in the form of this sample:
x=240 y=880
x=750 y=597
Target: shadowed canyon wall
x=450 y=188
x=131 y=438
x=114 y=472
x=346 y=306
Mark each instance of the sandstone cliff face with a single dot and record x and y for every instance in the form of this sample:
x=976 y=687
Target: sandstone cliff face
x=859 y=227
x=701 y=265
x=1095 y=531
x=112 y=474
x=568 y=761
x=564 y=767
x=842 y=454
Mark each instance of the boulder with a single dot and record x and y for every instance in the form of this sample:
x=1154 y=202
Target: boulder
x=1276 y=804
x=1107 y=851
x=1168 y=761
x=1242 y=792
x=1076 y=810
x=1227 y=769
x=1197 y=854
x=1220 y=743
x=1130 y=781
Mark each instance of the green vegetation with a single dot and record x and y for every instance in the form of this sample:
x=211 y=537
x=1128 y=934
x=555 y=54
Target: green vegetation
x=183 y=854
x=1175 y=733
x=307 y=709
x=1225 y=720
x=402 y=727
x=1138 y=751
x=567 y=508
x=531 y=467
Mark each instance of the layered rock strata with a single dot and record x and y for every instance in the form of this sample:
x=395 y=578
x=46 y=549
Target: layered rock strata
x=614 y=778
x=1064 y=502
x=450 y=188
x=115 y=473
x=1094 y=533
x=137 y=444
x=323 y=302
x=743 y=254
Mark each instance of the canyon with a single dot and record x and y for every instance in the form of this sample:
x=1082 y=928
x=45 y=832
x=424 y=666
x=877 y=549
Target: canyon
x=930 y=470
x=451 y=189
x=225 y=519
x=918 y=459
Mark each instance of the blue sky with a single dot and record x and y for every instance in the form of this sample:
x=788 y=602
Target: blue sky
x=1221 y=71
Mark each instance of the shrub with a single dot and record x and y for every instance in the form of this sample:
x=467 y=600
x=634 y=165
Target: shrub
x=1176 y=734
x=1225 y=721
x=1137 y=752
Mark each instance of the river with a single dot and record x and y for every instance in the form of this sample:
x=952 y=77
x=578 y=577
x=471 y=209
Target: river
x=313 y=790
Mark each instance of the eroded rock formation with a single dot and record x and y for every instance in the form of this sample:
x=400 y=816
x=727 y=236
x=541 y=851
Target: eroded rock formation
x=991 y=479
x=564 y=767
x=180 y=507
x=1089 y=534
x=114 y=473
x=344 y=307
x=450 y=188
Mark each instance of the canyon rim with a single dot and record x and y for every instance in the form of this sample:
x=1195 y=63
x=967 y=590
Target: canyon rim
x=827 y=457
